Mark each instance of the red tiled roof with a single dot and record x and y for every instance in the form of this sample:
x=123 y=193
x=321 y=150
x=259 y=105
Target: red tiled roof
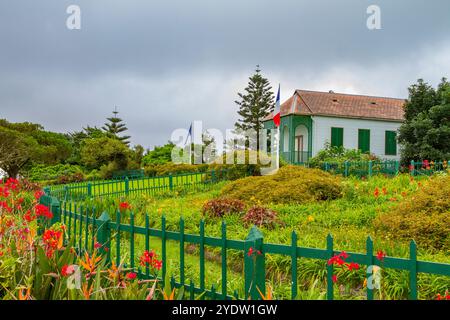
x=305 y=102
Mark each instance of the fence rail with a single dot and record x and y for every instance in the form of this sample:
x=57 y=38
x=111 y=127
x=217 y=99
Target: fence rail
x=427 y=168
x=130 y=174
x=85 y=229
x=147 y=185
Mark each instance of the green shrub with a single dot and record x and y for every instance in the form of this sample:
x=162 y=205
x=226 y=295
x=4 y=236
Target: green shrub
x=339 y=155
x=41 y=172
x=423 y=216
x=171 y=168
x=290 y=185
x=223 y=206
x=261 y=217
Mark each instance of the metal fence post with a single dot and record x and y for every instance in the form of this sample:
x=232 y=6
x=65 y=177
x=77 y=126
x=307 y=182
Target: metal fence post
x=89 y=189
x=104 y=233
x=254 y=265
x=412 y=172
x=397 y=167
x=55 y=208
x=212 y=176
x=370 y=168
x=127 y=186
x=170 y=182
x=413 y=270
x=47 y=190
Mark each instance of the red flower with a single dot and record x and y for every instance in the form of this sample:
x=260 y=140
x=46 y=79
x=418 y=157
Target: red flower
x=124 y=206
x=38 y=194
x=336 y=260
x=381 y=255
x=343 y=255
x=334 y=278
x=384 y=191
x=52 y=241
x=67 y=270
x=97 y=245
x=148 y=258
x=250 y=252
x=131 y=275
x=376 y=193
x=411 y=167
x=43 y=211
x=352 y=266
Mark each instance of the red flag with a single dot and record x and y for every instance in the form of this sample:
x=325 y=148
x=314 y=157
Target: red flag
x=277 y=112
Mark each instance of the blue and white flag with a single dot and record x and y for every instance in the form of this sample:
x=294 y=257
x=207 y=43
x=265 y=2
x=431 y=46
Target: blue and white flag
x=189 y=134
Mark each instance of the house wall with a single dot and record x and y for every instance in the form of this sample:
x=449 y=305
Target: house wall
x=322 y=133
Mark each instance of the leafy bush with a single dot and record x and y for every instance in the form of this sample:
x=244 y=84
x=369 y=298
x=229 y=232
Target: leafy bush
x=159 y=155
x=423 y=216
x=223 y=206
x=291 y=184
x=172 y=168
x=261 y=217
x=57 y=174
x=339 y=155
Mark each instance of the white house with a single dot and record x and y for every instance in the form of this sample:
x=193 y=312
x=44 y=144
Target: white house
x=309 y=119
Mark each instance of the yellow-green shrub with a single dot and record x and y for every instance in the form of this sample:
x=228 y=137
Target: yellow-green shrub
x=291 y=184
x=423 y=216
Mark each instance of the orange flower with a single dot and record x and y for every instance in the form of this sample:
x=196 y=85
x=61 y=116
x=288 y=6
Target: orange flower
x=90 y=263
x=26 y=296
x=376 y=193
x=87 y=291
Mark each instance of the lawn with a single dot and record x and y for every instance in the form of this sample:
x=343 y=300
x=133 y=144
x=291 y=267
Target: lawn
x=348 y=219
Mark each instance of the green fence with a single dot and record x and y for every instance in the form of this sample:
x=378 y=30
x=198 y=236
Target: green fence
x=427 y=168
x=84 y=229
x=130 y=174
x=146 y=185
x=362 y=168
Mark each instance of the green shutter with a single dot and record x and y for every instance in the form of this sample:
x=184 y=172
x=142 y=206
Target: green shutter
x=391 y=143
x=337 y=137
x=364 y=140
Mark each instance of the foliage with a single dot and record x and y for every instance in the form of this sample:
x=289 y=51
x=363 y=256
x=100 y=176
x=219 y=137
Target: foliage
x=425 y=134
x=339 y=155
x=44 y=267
x=423 y=216
x=223 y=206
x=255 y=104
x=112 y=154
x=59 y=172
x=22 y=144
x=159 y=155
x=77 y=139
x=291 y=184
x=136 y=157
x=114 y=127
x=261 y=216
x=172 y=168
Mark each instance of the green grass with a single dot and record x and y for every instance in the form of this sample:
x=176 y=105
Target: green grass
x=348 y=219
x=147 y=185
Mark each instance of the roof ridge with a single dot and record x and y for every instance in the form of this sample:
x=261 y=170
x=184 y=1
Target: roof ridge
x=300 y=97
x=349 y=94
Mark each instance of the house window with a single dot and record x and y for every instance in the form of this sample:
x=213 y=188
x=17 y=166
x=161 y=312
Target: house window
x=390 y=148
x=364 y=140
x=337 y=137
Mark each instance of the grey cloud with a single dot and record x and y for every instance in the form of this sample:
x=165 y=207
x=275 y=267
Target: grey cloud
x=166 y=63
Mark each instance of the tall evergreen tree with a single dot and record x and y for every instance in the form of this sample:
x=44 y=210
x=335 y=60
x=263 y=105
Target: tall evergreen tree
x=255 y=104
x=115 y=126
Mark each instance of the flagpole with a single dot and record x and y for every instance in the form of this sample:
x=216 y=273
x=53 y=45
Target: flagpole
x=278 y=148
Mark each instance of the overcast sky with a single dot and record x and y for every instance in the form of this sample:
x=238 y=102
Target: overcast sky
x=167 y=63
